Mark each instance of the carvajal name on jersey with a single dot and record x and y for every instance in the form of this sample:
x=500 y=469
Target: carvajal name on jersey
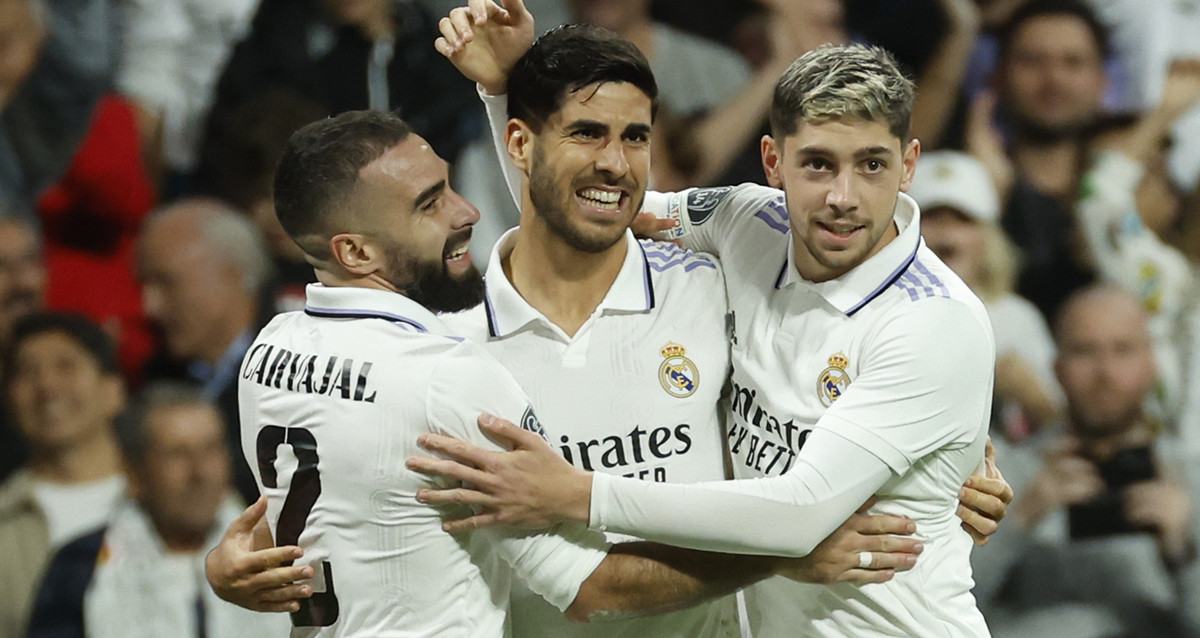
x=771 y=455
x=329 y=375
x=625 y=453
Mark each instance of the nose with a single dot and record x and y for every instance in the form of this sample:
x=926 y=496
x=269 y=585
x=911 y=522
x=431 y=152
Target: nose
x=152 y=301
x=465 y=213
x=841 y=195
x=611 y=159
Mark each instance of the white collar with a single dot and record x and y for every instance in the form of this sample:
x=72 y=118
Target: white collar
x=866 y=281
x=354 y=302
x=507 y=311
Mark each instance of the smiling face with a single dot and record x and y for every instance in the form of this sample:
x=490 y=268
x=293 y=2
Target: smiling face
x=420 y=225
x=589 y=165
x=841 y=179
x=60 y=396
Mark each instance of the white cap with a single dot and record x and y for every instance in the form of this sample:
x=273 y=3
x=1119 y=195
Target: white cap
x=951 y=179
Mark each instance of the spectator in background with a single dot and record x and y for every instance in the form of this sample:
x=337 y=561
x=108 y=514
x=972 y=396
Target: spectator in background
x=202 y=266
x=174 y=52
x=352 y=54
x=22 y=291
x=1122 y=190
x=143 y=574
x=59 y=59
x=1101 y=539
x=90 y=221
x=63 y=390
x=239 y=167
x=1050 y=84
x=959 y=211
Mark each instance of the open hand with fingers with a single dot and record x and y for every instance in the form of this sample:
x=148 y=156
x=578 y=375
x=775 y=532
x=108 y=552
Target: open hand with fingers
x=865 y=549
x=484 y=40
x=250 y=573
x=984 y=499
x=529 y=487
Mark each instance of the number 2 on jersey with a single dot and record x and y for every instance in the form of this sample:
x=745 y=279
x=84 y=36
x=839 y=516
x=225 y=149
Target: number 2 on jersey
x=322 y=609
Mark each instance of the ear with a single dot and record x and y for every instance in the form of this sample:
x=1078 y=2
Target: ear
x=518 y=137
x=354 y=253
x=772 y=161
x=912 y=151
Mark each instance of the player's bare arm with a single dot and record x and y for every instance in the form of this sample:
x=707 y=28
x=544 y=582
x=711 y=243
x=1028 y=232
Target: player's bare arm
x=248 y=571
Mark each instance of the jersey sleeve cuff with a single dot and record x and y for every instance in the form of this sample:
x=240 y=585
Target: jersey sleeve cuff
x=863 y=437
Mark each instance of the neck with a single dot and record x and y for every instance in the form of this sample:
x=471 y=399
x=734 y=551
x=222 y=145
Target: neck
x=563 y=283
x=239 y=321
x=180 y=541
x=91 y=460
x=1052 y=168
x=1103 y=446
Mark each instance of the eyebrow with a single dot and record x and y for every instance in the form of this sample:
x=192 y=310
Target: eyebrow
x=640 y=129
x=870 y=151
x=428 y=193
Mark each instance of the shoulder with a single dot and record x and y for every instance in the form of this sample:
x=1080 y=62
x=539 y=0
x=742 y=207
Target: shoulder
x=471 y=324
x=662 y=257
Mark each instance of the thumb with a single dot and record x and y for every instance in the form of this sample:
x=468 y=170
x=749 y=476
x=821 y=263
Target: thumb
x=246 y=521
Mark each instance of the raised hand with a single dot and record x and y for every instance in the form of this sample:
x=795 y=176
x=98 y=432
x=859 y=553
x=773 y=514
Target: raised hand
x=484 y=40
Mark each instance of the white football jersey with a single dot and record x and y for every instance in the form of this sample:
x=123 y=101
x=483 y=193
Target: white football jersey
x=332 y=402
x=633 y=393
x=858 y=354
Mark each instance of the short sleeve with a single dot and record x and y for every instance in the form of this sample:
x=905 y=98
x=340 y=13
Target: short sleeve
x=467 y=382
x=924 y=384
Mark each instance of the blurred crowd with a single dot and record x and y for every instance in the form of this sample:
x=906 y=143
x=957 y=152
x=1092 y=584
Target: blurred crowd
x=139 y=254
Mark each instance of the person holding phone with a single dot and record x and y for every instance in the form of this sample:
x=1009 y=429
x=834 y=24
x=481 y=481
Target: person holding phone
x=1102 y=541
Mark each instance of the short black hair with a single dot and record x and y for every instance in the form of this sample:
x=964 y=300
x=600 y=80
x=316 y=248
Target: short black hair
x=91 y=337
x=568 y=58
x=1042 y=8
x=320 y=164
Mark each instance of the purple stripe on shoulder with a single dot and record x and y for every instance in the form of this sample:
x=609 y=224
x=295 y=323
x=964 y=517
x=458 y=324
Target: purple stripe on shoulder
x=917 y=283
x=912 y=293
x=942 y=289
x=772 y=222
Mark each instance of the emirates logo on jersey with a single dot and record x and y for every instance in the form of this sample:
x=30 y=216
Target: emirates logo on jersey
x=677 y=374
x=833 y=380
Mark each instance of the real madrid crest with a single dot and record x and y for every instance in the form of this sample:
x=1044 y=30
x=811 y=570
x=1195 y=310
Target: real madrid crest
x=678 y=375
x=833 y=380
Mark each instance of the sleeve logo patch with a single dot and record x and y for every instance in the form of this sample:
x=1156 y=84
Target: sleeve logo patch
x=701 y=202
x=529 y=421
x=677 y=374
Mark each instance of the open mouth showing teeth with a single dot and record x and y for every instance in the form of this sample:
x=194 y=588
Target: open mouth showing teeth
x=458 y=253
x=841 y=231
x=602 y=199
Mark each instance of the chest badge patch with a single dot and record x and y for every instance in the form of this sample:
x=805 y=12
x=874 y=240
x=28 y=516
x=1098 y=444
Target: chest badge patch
x=678 y=375
x=833 y=380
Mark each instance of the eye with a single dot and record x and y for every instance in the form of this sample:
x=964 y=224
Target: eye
x=874 y=165
x=585 y=134
x=430 y=204
x=640 y=137
x=816 y=164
